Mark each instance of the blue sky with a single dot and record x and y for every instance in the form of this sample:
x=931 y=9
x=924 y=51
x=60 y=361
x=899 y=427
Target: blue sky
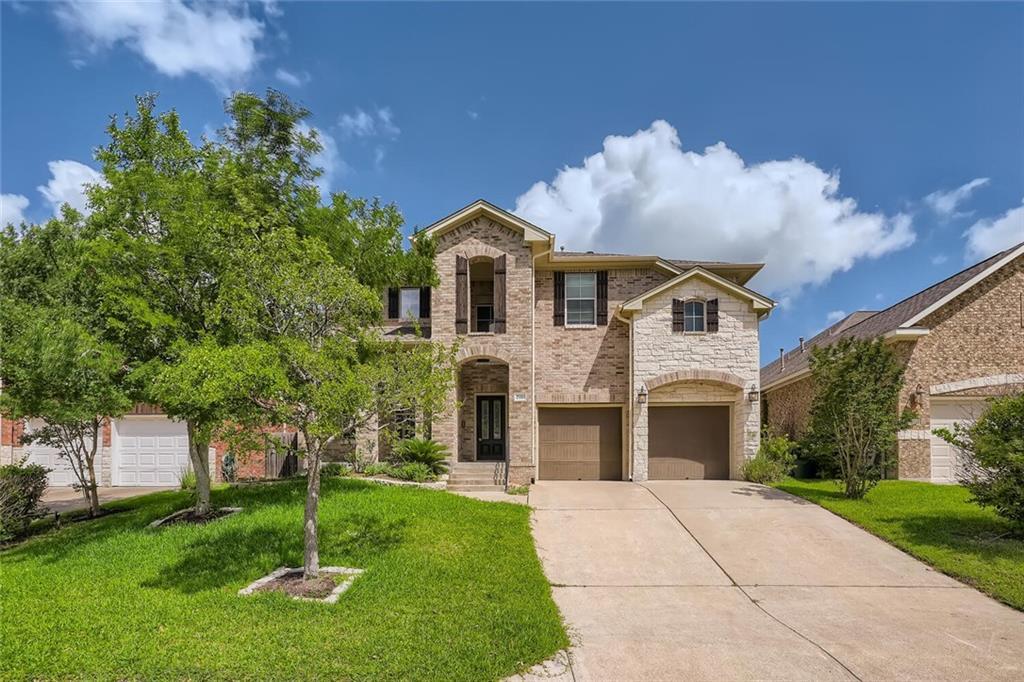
x=863 y=150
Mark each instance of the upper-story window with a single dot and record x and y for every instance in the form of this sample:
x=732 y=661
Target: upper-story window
x=409 y=303
x=581 y=298
x=693 y=316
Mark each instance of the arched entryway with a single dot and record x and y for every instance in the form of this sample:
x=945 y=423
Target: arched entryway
x=483 y=433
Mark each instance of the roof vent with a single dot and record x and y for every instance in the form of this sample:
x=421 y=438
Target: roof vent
x=782 y=357
x=801 y=344
x=591 y=253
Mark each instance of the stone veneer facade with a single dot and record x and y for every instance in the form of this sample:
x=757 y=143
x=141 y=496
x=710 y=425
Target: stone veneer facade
x=698 y=368
x=976 y=340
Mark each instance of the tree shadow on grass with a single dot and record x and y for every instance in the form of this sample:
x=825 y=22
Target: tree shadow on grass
x=235 y=556
x=981 y=538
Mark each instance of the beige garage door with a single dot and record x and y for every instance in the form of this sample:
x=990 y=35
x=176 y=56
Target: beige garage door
x=580 y=444
x=688 y=442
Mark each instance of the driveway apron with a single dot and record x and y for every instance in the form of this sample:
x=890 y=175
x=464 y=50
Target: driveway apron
x=726 y=580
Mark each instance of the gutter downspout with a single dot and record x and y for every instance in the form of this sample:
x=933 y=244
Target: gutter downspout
x=533 y=356
x=629 y=399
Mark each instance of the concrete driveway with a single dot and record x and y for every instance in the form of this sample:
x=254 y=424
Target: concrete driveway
x=64 y=500
x=724 y=580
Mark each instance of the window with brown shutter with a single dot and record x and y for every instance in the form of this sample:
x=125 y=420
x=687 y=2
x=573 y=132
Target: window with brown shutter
x=559 y=302
x=678 y=308
x=461 y=294
x=712 y=313
x=602 y=297
x=499 y=295
x=392 y=303
x=424 y=302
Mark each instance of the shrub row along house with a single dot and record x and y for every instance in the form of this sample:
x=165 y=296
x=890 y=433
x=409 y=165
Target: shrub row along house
x=571 y=365
x=961 y=341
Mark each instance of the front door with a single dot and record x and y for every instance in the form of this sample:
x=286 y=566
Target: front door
x=490 y=427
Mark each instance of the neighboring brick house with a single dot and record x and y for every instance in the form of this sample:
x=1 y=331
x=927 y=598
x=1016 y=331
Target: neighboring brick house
x=584 y=365
x=962 y=341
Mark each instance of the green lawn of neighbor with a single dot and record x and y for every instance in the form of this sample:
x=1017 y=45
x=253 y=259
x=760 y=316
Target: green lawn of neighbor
x=453 y=590
x=937 y=524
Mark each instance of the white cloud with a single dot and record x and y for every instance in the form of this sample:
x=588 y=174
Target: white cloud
x=473 y=114
x=939 y=259
x=992 y=235
x=644 y=194
x=67 y=185
x=12 y=209
x=380 y=122
x=296 y=80
x=216 y=41
x=945 y=203
x=834 y=316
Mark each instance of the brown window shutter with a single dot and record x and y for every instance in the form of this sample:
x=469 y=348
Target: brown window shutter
x=711 y=310
x=602 y=297
x=392 y=303
x=559 y=304
x=461 y=294
x=677 y=315
x=424 y=302
x=499 y=295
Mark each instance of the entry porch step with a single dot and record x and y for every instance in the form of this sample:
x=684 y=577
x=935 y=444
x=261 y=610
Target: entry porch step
x=475 y=488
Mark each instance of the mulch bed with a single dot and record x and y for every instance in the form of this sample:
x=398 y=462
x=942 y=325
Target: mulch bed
x=294 y=585
x=189 y=517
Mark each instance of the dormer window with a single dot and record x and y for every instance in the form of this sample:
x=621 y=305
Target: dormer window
x=693 y=316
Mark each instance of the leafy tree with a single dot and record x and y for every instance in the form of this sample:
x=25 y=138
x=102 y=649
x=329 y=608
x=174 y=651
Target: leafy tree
x=317 y=359
x=159 y=241
x=855 y=412
x=55 y=365
x=991 y=457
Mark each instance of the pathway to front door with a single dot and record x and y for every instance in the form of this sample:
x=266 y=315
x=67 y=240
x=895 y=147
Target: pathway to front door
x=490 y=427
x=725 y=580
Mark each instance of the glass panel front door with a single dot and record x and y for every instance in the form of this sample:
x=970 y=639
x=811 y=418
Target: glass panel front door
x=490 y=427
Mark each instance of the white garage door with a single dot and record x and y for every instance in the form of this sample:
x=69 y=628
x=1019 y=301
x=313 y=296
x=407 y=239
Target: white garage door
x=151 y=451
x=61 y=473
x=945 y=413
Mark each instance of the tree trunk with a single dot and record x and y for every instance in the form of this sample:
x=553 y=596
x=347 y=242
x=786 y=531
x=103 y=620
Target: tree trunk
x=199 y=454
x=93 y=494
x=311 y=549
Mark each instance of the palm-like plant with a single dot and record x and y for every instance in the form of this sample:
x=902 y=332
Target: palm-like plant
x=424 y=451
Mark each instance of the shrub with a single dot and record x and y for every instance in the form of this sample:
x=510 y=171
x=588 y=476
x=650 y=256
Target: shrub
x=229 y=468
x=855 y=413
x=21 y=489
x=774 y=461
x=424 y=451
x=991 y=458
x=412 y=471
x=187 y=479
x=377 y=469
x=333 y=469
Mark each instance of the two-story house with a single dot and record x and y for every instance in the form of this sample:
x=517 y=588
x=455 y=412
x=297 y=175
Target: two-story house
x=589 y=366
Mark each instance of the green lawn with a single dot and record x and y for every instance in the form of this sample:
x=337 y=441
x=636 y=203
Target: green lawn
x=938 y=525
x=453 y=590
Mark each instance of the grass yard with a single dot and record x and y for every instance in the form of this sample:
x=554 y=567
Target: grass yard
x=936 y=524
x=453 y=590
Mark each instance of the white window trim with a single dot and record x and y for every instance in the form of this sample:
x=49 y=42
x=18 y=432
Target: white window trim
x=704 y=316
x=580 y=325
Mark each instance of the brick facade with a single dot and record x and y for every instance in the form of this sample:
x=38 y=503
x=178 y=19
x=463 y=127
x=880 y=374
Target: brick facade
x=975 y=341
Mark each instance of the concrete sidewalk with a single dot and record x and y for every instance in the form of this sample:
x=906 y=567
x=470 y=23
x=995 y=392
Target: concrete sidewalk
x=64 y=500
x=725 y=580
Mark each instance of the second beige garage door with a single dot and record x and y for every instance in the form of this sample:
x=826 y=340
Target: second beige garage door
x=688 y=442
x=580 y=444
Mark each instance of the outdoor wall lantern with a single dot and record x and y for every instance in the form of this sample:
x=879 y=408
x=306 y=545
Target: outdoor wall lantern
x=754 y=395
x=641 y=395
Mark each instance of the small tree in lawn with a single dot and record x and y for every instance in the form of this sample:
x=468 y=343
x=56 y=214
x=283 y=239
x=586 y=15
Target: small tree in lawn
x=991 y=457
x=56 y=367
x=855 y=414
x=319 y=362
